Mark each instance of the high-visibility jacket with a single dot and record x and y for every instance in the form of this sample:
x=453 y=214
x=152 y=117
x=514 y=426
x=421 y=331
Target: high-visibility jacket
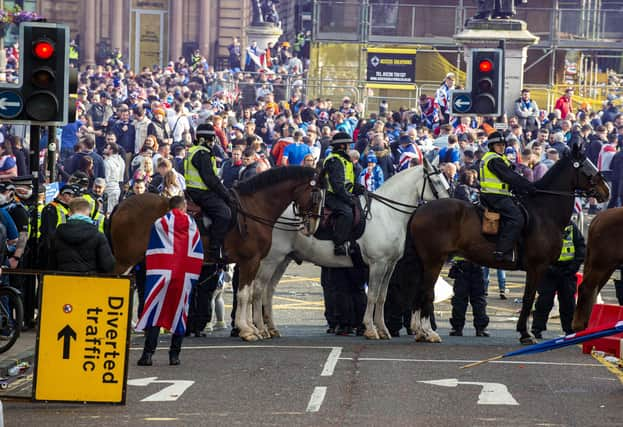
x=40 y=207
x=349 y=173
x=191 y=173
x=568 y=248
x=97 y=217
x=489 y=182
x=73 y=53
x=61 y=213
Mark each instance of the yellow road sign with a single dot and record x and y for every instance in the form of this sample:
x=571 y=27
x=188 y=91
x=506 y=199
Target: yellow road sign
x=83 y=340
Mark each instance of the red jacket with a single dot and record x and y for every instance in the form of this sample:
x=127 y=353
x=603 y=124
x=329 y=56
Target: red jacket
x=564 y=105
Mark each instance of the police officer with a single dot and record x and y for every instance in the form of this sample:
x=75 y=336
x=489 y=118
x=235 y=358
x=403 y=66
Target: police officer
x=19 y=214
x=206 y=190
x=469 y=285
x=560 y=278
x=339 y=173
x=82 y=180
x=54 y=214
x=497 y=177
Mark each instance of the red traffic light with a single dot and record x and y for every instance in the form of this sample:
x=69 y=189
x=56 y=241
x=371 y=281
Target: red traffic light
x=485 y=66
x=43 y=49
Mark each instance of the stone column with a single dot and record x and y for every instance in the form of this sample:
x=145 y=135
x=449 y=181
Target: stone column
x=116 y=25
x=88 y=34
x=487 y=34
x=204 y=27
x=175 y=43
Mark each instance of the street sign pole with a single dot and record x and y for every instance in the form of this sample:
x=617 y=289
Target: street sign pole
x=52 y=150
x=35 y=134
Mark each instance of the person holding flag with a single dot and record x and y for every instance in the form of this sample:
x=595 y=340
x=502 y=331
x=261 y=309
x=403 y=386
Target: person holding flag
x=173 y=262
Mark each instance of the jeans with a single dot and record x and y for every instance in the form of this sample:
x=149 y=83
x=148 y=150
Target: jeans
x=501 y=279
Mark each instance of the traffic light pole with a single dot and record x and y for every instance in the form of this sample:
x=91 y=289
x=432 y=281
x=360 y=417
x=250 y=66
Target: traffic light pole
x=502 y=46
x=52 y=150
x=35 y=134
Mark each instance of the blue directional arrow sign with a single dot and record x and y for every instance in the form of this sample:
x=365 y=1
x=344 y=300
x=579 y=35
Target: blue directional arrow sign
x=10 y=104
x=462 y=102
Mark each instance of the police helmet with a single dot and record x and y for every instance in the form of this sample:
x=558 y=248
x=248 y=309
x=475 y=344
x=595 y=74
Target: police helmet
x=72 y=189
x=341 y=138
x=205 y=134
x=495 y=138
x=80 y=179
x=6 y=186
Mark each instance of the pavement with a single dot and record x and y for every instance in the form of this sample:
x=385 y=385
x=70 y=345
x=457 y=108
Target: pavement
x=311 y=378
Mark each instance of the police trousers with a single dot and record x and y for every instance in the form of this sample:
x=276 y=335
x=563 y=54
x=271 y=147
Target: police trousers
x=512 y=220
x=343 y=213
x=217 y=210
x=469 y=286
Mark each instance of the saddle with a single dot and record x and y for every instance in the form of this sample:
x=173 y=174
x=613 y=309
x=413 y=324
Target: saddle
x=203 y=221
x=490 y=219
x=326 y=228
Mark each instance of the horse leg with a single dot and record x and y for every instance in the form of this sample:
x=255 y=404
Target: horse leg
x=258 y=319
x=533 y=276
x=250 y=318
x=245 y=333
x=377 y=271
x=421 y=317
x=269 y=292
x=594 y=280
x=379 y=309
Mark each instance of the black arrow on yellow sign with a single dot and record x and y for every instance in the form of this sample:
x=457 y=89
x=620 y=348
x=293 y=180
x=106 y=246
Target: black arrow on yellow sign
x=66 y=333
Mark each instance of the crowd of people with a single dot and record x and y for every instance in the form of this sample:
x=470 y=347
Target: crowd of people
x=134 y=131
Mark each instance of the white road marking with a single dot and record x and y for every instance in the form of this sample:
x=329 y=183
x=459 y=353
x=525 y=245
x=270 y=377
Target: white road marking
x=500 y=362
x=491 y=394
x=167 y=394
x=316 y=399
x=329 y=365
x=243 y=346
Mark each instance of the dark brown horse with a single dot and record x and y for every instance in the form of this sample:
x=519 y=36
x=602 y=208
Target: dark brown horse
x=604 y=254
x=262 y=200
x=445 y=227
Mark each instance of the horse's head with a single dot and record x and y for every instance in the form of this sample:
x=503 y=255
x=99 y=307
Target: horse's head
x=308 y=202
x=588 y=179
x=438 y=183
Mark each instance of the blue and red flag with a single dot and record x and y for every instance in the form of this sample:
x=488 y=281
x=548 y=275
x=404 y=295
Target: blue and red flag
x=571 y=339
x=173 y=263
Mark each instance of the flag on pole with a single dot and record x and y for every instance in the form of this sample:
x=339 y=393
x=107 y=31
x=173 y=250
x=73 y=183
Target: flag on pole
x=571 y=339
x=173 y=263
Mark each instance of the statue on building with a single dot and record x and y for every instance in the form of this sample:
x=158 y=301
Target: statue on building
x=265 y=13
x=497 y=9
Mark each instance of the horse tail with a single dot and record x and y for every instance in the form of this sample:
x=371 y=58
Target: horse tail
x=107 y=228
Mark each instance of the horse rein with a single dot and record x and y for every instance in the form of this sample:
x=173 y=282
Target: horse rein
x=392 y=203
x=577 y=193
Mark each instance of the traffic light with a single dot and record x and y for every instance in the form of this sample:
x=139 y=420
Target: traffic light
x=487 y=82
x=484 y=95
x=41 y=96
x=45 y=66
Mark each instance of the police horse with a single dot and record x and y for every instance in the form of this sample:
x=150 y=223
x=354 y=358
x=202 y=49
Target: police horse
x=381 y=244
x=446 y=227
x=261 y=200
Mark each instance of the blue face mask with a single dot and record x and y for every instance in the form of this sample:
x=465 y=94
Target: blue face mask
x=81 y=217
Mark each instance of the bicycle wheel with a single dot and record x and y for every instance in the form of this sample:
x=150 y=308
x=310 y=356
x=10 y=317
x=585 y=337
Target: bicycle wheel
x=11 y=317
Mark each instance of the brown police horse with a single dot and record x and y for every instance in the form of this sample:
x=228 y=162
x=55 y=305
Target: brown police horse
x=262 y=200
x=604 y=254
x=445 y=227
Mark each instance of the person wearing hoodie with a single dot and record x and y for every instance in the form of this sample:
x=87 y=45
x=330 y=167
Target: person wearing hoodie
x=78 y=246
x=384 y=156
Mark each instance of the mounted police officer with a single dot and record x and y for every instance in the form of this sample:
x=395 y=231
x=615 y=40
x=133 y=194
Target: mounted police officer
x=339 y=173
x=497 y=178
x=205 y=188
x=560 y=279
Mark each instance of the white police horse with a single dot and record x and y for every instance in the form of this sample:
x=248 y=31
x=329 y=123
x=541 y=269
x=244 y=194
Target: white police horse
x=382 y=245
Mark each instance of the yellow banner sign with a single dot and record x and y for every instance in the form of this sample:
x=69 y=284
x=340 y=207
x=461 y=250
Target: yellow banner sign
x=82 y=347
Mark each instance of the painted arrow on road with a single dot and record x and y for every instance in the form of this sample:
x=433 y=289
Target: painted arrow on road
x=491 y=394
x=167 y=394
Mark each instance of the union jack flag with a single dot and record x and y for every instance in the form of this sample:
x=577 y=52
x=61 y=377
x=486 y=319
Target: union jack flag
x=173 y=263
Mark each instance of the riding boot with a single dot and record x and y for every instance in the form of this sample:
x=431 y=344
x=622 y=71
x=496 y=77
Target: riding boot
x=216 y=251
x=340 y=250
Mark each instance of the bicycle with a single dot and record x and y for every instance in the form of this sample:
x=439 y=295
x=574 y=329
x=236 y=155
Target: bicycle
x=11 y=316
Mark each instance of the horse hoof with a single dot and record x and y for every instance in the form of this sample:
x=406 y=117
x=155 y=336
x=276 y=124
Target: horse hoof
x=274 y=333
x=248 y=336
x=371 y=334
x=433 y=337
x=266 y=335
x=529 y=340
x=384 y=334
x=420 y=337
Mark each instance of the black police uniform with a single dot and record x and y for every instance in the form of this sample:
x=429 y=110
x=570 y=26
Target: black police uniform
x=559 y=278
x=469 y=285
x=512 y=218
x=339 y=200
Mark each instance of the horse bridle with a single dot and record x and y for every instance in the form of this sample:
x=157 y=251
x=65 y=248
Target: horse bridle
x=589 y=169
x=427 y=179
x=315 y=208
